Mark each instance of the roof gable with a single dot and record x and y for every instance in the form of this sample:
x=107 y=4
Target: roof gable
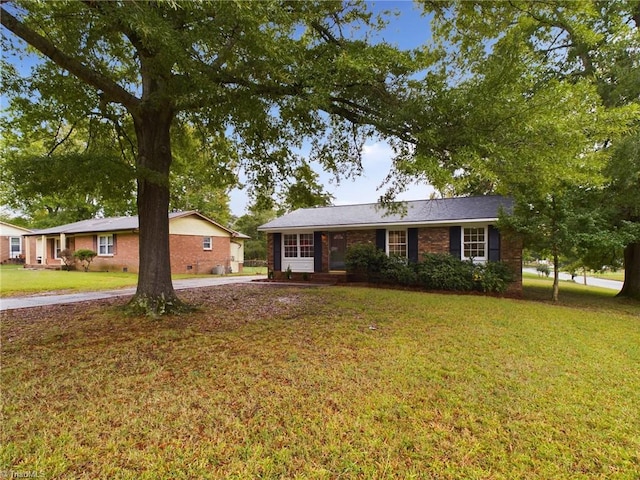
x=10 y=229
x=444 y=210
x=194 y=223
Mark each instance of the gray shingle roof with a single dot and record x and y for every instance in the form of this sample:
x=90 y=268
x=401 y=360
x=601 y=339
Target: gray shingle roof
x=444 y=210
x=118 y=224
x=109 y=224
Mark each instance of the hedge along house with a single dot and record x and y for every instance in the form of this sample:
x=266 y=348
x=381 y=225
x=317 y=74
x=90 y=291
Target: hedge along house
x=313 y=241
x=197 y=244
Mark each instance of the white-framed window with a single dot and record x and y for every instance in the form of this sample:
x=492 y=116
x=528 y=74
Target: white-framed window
x=298 y=245
x=15 y=247
x=474 y=243
x=397 y=242
x=57 y=248
x=207 y=243
x=105 y=245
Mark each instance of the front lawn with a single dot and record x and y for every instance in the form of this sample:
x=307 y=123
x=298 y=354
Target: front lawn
x=618 y=275
x=15 y=280
x=577 y=295
x=333 y=382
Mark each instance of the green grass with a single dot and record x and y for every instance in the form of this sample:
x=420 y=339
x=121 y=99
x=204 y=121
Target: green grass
x=15 y=280
x=619 y=275
x=577 y=295
x=20 y=281
x=333 y=382
x=254 y=270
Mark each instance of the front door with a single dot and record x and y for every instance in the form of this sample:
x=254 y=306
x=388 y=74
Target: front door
x=337 y=250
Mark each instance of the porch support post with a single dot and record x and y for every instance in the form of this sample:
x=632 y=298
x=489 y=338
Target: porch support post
x=26 y=249
x=43 y=241
x=63 y=244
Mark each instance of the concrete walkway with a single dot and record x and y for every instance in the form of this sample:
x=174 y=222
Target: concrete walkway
x=12 y=303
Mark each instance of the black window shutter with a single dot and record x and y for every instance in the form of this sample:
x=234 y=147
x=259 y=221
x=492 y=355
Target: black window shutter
x=412 y=245
x=115 y=243
x=494 y=244
x=317 y=251
x=381 y=239
x=95 y=243
x=455 y=241
x=277 y=252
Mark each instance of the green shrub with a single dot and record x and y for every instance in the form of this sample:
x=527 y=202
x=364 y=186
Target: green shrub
x=67 y=258
x=397 y=270
x=493 y=277
x=85 y=256
x=436 y=271
x=366 y=260
x=439 y=271
x=543 y=269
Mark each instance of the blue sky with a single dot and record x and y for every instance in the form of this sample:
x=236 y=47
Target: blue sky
x=407 y=30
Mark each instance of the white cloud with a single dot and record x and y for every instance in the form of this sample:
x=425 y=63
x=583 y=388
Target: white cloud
x=376 y=163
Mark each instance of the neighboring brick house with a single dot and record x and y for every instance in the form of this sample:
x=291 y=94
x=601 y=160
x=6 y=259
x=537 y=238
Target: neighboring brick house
x=12 y=243
x=313 y=241
x=197 y=244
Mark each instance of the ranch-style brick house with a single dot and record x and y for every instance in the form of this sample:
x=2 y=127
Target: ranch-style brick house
x=197 y=244
x=313 y=241
x=12 y=242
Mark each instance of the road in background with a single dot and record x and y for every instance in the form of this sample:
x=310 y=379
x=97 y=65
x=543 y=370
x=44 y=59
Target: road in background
x=579 y=279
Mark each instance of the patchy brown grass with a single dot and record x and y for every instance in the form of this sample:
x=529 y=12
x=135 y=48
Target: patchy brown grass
x=266 y=381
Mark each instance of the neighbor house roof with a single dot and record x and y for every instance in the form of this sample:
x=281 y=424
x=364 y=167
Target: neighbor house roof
x=117 y=224
x=418 y=212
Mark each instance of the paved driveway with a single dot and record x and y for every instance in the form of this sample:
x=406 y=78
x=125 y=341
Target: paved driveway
x=13 y=303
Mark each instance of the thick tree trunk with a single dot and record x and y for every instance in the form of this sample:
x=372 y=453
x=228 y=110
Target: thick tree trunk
x=631 y=285
x=155 y=294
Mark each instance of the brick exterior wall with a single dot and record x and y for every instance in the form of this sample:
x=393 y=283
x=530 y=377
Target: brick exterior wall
x=4 y=248
x=270 y=260
x=124 y=257
x=356 y=237
x=325 y=252
x=430 y=240
x=187 y=253
x=433 y=240
x=188 y=256
x=511 y=254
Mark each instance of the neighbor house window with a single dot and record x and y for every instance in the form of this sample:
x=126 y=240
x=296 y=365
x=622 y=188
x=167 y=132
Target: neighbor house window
x=206 y=243
x=298 y=245
x=397 y=243
x=474 y=243
x=15 y=247
x=57 y=248
x=105 y=245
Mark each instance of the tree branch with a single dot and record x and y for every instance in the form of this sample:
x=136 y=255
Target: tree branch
x=57 y=142
x=325 y=33
x=98 y=81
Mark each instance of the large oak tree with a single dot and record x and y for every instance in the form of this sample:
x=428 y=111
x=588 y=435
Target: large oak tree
x=263 y=76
